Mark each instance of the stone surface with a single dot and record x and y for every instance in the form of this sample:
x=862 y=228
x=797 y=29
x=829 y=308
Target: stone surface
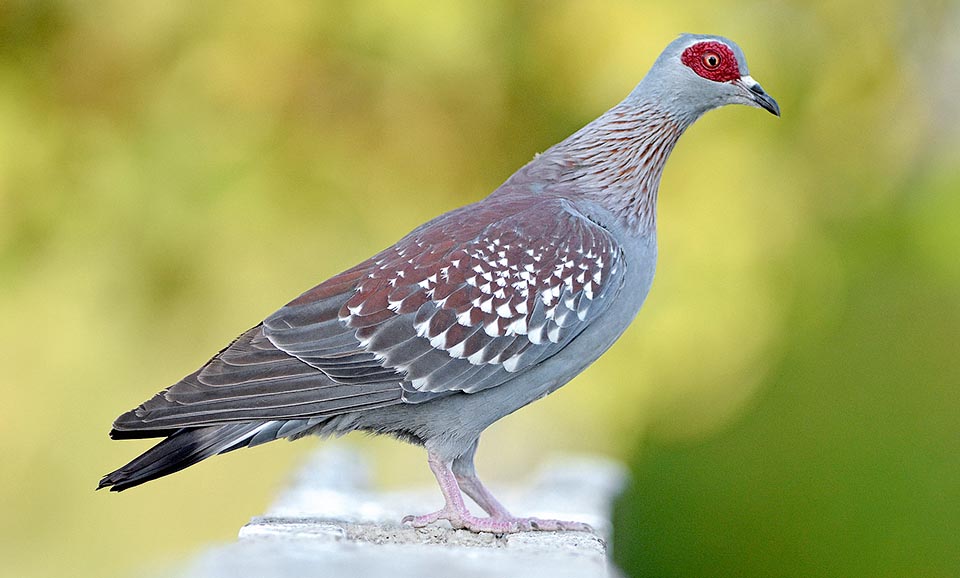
x=331 y=523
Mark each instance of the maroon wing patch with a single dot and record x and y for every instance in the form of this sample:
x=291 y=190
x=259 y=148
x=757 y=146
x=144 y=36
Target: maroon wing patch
x=461 y=303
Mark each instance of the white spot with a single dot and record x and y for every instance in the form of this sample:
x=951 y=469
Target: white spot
x=546 y=297
x=535 y=335
x=491 y=328
x=422 y=328
x=458 y=349
x=475 y=358
x=550 y=312
x=487 y=306
x=426 y=283
x=419 y=383
x=553 y=333
x=464 y=318
x=511 y=364
x=518 y=326
x=439 y=341
x=582 y=311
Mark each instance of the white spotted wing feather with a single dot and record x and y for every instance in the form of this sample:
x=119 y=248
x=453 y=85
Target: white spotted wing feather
x=459 y=304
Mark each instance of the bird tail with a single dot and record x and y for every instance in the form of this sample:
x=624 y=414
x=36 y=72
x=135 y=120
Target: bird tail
x=184 y=448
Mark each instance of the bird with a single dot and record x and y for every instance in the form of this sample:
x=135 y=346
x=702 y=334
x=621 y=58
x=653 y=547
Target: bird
x=469 y=317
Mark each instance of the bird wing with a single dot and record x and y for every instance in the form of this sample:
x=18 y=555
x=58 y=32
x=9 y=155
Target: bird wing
x=460 y=304
x=250 y=380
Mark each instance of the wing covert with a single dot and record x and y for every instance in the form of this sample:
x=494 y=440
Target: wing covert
x=460 y=304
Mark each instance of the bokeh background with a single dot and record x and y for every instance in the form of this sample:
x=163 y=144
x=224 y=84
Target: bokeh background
x=171 y=172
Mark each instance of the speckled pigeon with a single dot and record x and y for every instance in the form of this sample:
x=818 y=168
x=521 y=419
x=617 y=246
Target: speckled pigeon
x=468 y=318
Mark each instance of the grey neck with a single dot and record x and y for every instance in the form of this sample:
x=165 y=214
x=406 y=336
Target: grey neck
x=617 y=160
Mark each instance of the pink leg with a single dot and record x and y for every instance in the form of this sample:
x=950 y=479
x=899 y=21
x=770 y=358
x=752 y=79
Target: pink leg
x=473 y=487
x=470 y=484
x=457 y=514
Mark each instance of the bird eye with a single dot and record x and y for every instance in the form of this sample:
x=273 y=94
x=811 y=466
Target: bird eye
x=711 y=60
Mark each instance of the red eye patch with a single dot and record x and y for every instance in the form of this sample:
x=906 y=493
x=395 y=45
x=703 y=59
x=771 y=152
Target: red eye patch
x=712 y=60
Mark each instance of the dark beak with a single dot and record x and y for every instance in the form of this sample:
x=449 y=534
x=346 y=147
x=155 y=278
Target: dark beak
x=758 y=95
x=765 y=100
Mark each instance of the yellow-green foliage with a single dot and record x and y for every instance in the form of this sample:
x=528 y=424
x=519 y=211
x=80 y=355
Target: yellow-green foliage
x=171 y=172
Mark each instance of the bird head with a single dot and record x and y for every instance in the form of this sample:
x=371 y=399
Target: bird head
x=696 y=73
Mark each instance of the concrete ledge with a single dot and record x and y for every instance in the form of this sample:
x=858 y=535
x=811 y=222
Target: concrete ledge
x=331 y=523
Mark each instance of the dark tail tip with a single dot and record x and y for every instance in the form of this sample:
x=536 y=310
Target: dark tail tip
x=184 y=448
x=114 y=480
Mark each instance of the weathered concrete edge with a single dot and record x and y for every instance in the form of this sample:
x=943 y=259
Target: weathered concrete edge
x=330 y=519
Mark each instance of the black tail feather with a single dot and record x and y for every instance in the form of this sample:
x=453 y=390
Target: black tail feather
x=184 y=448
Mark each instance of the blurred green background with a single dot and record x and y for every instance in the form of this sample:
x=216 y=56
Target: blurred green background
x=171 y=172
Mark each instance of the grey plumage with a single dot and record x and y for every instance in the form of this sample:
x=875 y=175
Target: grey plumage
x=469 y=317
x=179 y=450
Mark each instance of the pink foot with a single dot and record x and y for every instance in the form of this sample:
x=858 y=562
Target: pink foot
x=456 y=512
x=549 y=525
x=498 y=525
